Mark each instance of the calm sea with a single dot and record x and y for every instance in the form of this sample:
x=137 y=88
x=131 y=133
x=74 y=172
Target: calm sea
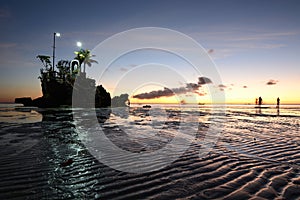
x=16 y=113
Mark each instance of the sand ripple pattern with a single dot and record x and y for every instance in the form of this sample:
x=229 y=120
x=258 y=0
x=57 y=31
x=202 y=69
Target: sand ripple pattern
x=257 y=157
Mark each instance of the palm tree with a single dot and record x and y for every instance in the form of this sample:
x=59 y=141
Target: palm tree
x=46 y=61
x=63 y=67
x=48 y=67
x=85 y=57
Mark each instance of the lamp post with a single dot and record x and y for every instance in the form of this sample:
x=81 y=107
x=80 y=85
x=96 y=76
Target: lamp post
x=54 y=35
x=79 y=44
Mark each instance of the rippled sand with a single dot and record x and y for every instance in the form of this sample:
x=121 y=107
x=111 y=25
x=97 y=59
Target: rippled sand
x=257 y=156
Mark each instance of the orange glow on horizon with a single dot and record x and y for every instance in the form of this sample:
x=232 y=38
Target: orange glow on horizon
x=162 y=100
x=10 y=95
x=237 y=101
x=235 y=96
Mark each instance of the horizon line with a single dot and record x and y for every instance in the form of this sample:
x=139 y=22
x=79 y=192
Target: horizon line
x=192 y=103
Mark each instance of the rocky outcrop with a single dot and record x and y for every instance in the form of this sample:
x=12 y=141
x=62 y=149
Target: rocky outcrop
x=57 y=93
x=102 y=97
x=68 y=86
x=26 y=101
x=120 y=101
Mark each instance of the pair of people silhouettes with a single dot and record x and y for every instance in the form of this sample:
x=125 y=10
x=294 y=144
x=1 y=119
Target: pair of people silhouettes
x=259 y=101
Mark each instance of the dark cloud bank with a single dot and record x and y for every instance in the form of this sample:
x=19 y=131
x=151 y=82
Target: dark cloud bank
x=166 y=92
x=272 y=82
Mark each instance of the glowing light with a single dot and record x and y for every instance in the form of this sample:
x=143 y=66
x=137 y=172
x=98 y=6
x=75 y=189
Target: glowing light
x=79 y=44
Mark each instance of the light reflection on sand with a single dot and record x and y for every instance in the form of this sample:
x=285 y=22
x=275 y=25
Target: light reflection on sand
x=19 y=115
x=257 y=156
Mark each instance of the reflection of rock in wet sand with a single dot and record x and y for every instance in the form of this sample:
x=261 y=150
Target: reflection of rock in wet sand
x=58 y=165
x=66 y=114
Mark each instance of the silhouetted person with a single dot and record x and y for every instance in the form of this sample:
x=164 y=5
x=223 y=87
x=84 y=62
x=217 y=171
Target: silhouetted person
x=259 y=101
x=256 y=101
x=278 y=103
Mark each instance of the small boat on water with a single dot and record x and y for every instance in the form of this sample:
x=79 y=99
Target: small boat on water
x=146 y=106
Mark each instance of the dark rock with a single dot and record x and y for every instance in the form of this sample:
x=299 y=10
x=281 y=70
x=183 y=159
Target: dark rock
x=102 y=97
x=65 y=88
x=26 y=101
x=39 y=102
x=120 y=101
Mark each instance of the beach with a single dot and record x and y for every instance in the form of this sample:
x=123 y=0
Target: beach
x=255 y=155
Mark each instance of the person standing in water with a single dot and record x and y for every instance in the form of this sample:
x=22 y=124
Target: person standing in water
x=278 y=102
x=259 y=101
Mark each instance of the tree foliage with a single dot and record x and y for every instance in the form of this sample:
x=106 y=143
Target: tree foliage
x=45 y=60
x=85 y=57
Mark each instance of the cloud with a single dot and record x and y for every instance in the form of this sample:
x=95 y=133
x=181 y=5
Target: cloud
x=258 y=45
x=229 y=41
x=210 y=51
x=203 y=80
x=166 y=92
x=264 y=36
x=133 y=65
x=7 y=45
x=4 y=13
x=123 y=69
x=272 y=82
x=222 y=87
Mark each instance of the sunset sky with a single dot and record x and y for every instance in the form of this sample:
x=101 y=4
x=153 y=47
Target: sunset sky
x=255 y=45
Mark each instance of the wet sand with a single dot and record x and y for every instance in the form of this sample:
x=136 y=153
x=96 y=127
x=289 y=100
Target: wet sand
x=256 y=158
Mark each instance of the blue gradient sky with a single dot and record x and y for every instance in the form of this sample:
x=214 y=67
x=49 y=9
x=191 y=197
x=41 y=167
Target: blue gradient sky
x=251 y=42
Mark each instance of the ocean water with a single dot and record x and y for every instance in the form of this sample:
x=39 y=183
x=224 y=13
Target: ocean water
x=230 y=152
